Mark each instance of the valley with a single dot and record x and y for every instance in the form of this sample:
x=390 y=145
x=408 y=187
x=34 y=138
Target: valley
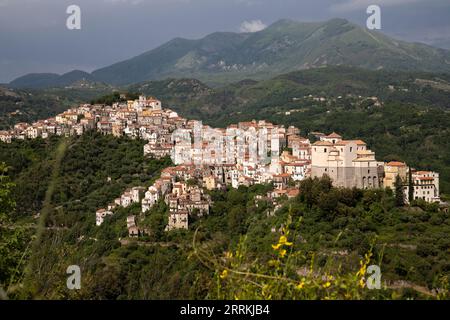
x=175 y=156
x=329 y=227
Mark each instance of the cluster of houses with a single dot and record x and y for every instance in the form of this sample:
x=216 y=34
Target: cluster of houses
x=243 y=154
x=260 y=152
x=143 y=118
x=177 y=187
x=425 y=184
x=130 y=196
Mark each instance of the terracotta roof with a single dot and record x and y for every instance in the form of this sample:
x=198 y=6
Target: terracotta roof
x=293 y=192
x=426 y=178
x=345 y=142
x=396 y=164
x=333 y=135
x=422 y=172
x=359 y=142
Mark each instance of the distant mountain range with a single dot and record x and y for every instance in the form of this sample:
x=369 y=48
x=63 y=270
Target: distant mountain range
x=49 y=80
x=285 y=46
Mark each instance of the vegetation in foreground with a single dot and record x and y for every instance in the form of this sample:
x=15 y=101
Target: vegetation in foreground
x=311 y=248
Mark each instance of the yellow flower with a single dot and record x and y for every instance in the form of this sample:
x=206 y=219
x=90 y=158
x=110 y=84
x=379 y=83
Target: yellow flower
x=276 y=247
x=301 y=285
x=362 y=283
x=224 y=274
x=283 y=241
x=362 y=270
x=327 y=284
x=283 y=253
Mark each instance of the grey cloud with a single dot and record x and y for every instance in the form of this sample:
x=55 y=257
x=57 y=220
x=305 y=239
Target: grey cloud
x=33 y=32
x=352 y=5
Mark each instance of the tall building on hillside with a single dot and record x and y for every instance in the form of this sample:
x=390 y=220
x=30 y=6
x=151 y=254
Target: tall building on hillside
x=426 y=186
x=347 y=162
x=144 y=102
x=392 y=170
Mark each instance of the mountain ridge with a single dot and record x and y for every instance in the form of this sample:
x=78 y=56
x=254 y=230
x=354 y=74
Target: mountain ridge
x=284 y=46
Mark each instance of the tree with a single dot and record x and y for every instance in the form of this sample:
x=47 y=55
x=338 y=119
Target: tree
x=157 y=221
x=7 y=203
x=11 y=240
x=411 y=186
x=312 y=189
x=399 y=195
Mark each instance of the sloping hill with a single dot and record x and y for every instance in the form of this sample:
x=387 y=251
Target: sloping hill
x=47 y=80
x=283 y=47
x=35 y=80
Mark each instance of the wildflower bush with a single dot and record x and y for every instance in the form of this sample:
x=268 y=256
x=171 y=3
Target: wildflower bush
x=282 y=277
x=292 y=274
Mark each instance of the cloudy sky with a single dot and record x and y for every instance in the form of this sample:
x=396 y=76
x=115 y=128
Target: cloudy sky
x=34 y=37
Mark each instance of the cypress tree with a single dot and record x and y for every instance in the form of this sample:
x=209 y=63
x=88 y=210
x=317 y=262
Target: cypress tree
x=399 y=195
x=410 y=186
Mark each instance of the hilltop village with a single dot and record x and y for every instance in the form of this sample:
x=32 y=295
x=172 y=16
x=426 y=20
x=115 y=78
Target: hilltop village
x=206 y=158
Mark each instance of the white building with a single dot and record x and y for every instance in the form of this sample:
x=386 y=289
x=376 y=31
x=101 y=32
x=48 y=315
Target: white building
x=426 y=186
x=101 y=214
x=347 y=162
x=150 y=199
x=178 y=220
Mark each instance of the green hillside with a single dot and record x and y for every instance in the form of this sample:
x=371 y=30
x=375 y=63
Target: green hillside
x=328 y=230
x=48 y=80
x=283 y=47
x=28 y=105
x=412 y=124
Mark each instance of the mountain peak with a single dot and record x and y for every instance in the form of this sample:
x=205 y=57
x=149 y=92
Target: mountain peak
x=283 y=22
x=338 y=21
x=284 y=46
